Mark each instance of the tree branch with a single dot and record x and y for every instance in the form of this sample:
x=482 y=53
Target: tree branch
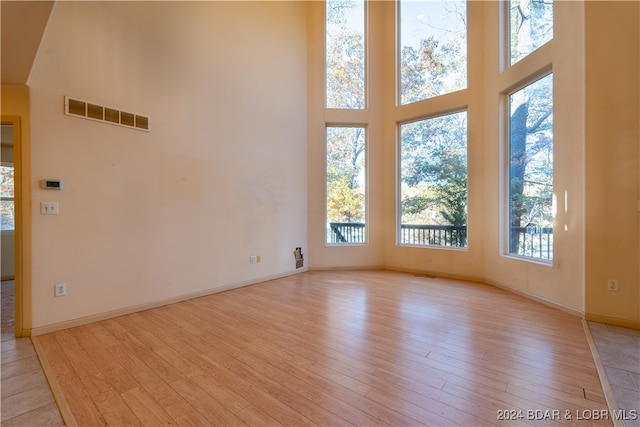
x=539 y=122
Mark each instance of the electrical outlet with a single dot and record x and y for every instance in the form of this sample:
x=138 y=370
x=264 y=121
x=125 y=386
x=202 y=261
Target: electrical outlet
x=612 y=285
x=429 y=261
x=254 y=259
x=60 y=289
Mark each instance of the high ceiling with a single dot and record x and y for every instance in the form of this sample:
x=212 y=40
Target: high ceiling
x=23 y=23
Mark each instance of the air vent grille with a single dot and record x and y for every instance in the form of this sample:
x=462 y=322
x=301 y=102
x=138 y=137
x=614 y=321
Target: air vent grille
x=88 y=110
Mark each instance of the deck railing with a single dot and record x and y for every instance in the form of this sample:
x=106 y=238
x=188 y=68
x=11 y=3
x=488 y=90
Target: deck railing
x=411 y=234
x=433 y=235
x=346 y=232
x=534 y=242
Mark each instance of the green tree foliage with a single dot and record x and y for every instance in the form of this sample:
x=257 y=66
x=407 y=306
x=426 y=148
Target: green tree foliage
x=345 y=68
x=435 y=63
x=433 y=151
x=422 y=71
x=345 y=166
x=434 y=165
x=345 y=71
x=345 y=56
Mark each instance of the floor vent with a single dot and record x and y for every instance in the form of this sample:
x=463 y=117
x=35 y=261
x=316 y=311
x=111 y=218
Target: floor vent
x=88 y=110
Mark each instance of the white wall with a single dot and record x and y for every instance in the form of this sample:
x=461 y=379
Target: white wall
x=146 y=217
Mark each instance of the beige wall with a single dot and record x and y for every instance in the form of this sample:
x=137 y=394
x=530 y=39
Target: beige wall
x=146 y=217
x=612 y=161
x=465 y=263
x=561 y=282
x=150 y=217
x=595 y=155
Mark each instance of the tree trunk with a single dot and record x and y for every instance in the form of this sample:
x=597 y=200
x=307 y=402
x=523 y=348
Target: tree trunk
x=518 y=155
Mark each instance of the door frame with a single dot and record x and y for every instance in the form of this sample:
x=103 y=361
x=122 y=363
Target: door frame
x=22 y=233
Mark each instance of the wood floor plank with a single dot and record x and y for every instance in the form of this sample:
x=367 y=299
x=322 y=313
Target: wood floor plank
x=80 y=403
x=147 y=410
x=174 y=406
x=222 y=367
x=330 y=348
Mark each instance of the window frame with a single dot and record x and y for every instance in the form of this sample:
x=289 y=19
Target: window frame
x=506 y=191
x=365 y=241
x=506 y=38
x=365 y=62
x=398 y=59
x=398 y=151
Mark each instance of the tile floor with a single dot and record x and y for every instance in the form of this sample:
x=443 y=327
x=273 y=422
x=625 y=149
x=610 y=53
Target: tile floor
x=619 y=350
x=27 y=399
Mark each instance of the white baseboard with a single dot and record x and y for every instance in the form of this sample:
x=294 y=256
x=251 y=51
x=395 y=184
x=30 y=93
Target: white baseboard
x=541 y=300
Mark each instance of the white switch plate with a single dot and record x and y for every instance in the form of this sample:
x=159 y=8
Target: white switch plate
x=49 y=208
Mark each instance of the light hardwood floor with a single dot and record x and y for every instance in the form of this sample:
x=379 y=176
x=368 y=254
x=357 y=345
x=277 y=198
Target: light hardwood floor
x=367 y=348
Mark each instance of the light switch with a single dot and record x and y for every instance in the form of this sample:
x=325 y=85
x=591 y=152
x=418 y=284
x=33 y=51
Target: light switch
x=49 y=208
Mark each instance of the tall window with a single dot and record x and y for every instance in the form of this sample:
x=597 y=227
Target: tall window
x=433 y=48
x=531 y=170
x=530 y=26
x=7 y=214
x=346 y=185
x=433 y=179
x=345 y=54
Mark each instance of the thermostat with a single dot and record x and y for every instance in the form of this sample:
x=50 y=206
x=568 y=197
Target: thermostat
x=52 y=184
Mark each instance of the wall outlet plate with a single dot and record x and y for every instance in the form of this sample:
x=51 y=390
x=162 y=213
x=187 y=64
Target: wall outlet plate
x=60 y=289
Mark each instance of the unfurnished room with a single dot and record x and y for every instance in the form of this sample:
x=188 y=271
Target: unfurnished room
x=323 y=213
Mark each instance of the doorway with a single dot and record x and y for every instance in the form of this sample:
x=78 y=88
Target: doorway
x=11 y=227
x=7 y=229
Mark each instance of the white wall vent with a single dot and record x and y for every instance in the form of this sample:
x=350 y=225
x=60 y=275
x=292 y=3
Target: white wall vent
x=88 y=110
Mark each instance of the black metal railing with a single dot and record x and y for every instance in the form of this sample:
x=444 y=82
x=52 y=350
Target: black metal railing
x=411 y=234
x=346 y=232
x=534 y=242
x=433 y=235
